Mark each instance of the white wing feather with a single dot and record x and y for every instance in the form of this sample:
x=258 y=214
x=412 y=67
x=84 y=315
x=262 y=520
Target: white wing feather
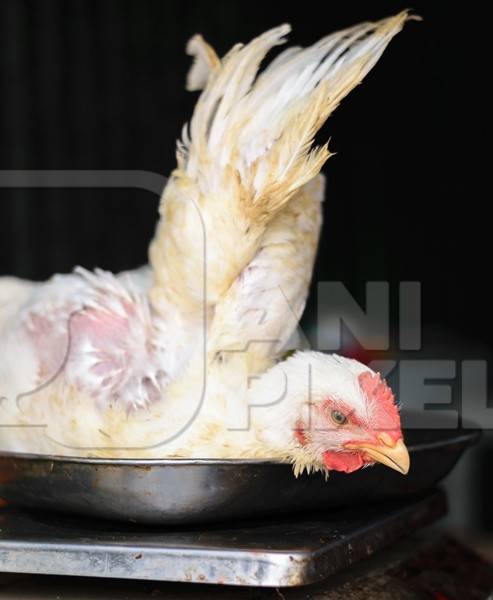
x=247 y=151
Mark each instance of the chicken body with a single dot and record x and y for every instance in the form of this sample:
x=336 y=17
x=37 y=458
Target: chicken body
x=92 y=339
x=182 y=358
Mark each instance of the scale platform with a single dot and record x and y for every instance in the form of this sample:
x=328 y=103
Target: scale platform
x=291 y=551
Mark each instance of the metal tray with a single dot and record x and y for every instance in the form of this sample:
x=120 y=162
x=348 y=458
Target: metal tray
x=181 y=491
x=274 y=552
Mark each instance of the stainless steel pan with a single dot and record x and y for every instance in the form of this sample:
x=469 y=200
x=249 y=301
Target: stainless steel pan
x=171 y=492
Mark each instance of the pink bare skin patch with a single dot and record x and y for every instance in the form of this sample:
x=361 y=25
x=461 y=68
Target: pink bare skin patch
x=113 y=356
x=51 y=343
x=107 y=333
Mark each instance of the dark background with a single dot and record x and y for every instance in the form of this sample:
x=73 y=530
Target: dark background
x=100 y=85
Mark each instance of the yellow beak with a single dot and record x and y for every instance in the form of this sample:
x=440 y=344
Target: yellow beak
x=389 y=453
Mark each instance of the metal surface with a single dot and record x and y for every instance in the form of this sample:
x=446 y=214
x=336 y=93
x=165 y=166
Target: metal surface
x=173 y=492
x=272 y=553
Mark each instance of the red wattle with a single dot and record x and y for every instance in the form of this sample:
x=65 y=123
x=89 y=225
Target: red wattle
x=347 y=462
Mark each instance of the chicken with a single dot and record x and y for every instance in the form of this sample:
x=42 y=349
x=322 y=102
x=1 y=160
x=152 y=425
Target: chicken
x=184 y=358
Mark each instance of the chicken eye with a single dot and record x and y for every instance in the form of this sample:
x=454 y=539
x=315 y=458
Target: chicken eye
x=338 y=417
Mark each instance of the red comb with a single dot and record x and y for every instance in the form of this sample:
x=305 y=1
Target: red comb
x=376 y=389
x=385 y=415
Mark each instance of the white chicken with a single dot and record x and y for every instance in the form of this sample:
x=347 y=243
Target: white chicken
x=184 y=358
